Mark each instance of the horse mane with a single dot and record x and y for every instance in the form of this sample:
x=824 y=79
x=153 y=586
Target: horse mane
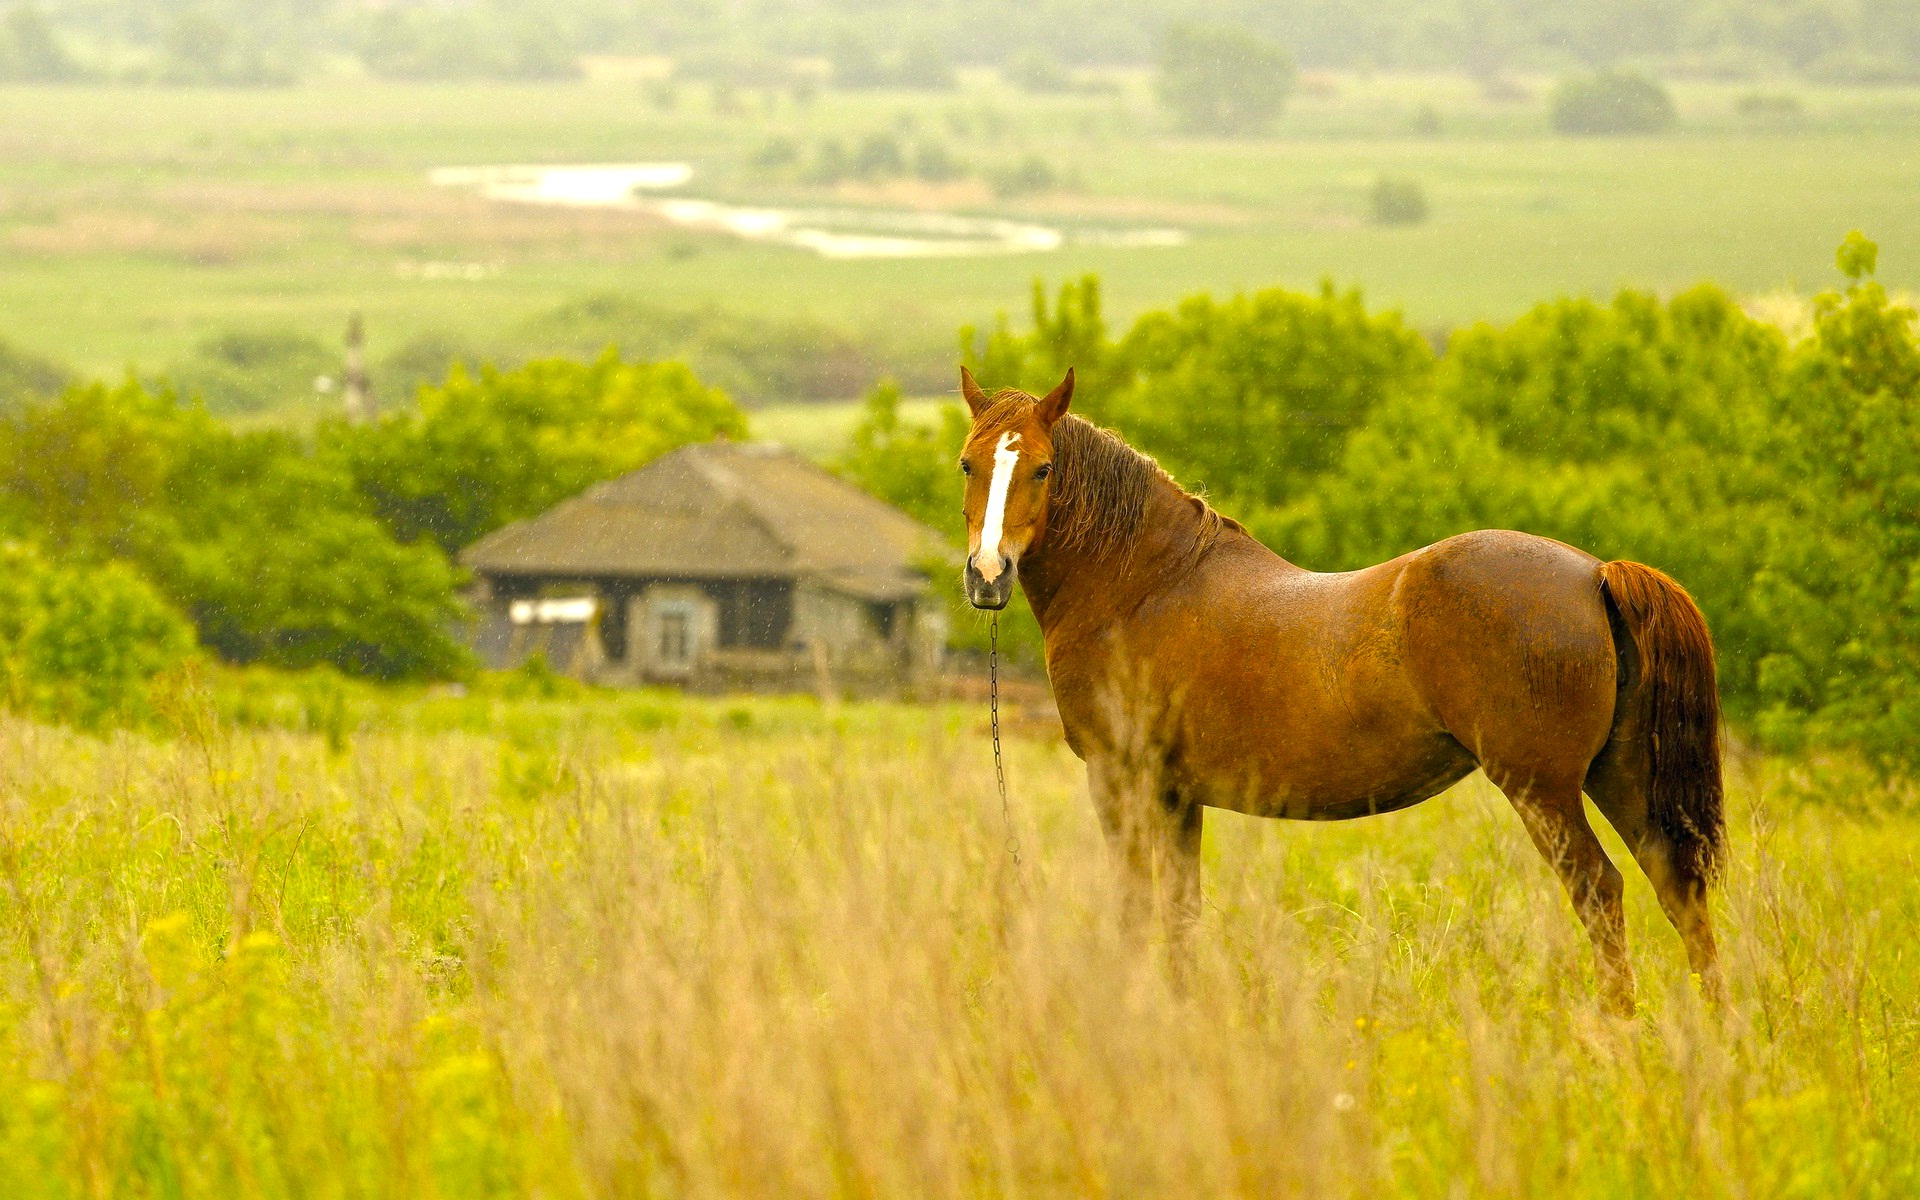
x=1100 y=484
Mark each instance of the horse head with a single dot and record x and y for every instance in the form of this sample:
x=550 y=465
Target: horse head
x=1007 y=462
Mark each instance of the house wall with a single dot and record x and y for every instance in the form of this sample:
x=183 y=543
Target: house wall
x=571 y=647
x=748 y=635
x=839 y=624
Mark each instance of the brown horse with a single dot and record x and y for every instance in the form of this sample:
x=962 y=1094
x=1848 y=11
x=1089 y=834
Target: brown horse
x=1194 y=667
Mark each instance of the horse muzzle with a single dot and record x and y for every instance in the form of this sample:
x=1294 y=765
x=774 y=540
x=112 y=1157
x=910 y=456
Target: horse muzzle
x=990 y=594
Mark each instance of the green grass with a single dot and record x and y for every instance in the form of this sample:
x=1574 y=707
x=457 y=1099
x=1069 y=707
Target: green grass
x=133 y=223
x=584 y=944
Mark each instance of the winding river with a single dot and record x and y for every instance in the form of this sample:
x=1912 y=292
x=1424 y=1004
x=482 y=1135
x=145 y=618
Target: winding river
x=829 y=232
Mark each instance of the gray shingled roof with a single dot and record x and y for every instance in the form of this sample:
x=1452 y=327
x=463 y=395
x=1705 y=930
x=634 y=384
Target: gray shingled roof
x=722 y=510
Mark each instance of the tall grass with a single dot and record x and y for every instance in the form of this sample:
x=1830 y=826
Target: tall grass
x=765 y=949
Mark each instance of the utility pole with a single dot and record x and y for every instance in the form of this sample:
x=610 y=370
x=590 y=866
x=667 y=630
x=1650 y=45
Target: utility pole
x=358 y=393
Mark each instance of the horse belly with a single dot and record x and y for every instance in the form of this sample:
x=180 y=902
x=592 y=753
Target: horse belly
x=1333 y=767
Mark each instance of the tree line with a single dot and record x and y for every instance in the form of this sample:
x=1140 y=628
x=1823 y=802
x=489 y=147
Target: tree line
x=917 y=42
x=1775 y=473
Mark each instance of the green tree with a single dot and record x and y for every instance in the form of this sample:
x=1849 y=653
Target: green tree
x=203 y=48
x=1072 y=334
x=481 y=452
x=475 y=42
x=1255 y=396
x=30 y=50
x=1841 y=594
x=270 y=550
x=83 y=471
x=1612 y=102
x=1222 y=79
x=909 y=465
x=275 y=555
x=82 y=643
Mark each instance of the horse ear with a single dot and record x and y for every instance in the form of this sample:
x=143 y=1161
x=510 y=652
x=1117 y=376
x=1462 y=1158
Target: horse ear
x=977 y=400
x=1054 y=404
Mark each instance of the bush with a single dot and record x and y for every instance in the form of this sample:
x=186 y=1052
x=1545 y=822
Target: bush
x=879 y=157
x=1031 y=174
x=1398 y=201
x=775 y=154
x=1222 y=79
x=1611 y=102
x=933 y=162
x=82 y=644
x=831 y=163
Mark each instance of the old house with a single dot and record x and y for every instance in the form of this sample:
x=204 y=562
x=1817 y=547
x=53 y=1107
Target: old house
x=718 y=566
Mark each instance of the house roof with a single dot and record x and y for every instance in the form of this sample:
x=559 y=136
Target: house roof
x=722 y=510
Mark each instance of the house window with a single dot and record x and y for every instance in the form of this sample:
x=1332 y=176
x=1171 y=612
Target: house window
x=673 y=644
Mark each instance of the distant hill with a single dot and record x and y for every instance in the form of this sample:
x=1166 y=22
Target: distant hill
x=241 y=42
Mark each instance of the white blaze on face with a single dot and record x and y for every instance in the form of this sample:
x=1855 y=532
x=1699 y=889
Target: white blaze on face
x=987 y=559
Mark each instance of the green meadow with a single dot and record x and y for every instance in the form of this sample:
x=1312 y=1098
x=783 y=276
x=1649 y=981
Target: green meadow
x=135 y=223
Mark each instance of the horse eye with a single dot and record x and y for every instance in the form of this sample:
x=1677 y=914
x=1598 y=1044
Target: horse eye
x=1045 y=470
x=966 y=468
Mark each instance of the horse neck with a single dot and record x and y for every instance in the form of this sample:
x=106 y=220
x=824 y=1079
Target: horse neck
x=1092 y=584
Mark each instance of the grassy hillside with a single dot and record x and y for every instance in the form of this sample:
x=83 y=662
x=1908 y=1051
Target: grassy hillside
x=135 y=224
x=642 y=945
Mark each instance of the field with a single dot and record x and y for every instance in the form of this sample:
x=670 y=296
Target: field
x=135 y=224
x=636 y=944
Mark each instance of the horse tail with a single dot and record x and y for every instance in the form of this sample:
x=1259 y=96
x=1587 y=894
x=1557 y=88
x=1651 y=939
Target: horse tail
x=1679 y=710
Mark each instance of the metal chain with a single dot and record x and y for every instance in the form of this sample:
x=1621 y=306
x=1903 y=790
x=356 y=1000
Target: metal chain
x=993 y=710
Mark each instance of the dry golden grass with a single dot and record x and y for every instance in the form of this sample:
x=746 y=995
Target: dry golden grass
x=707 y=949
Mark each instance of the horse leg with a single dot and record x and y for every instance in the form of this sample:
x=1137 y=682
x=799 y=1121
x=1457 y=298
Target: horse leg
x=1154 y=835
x=1556 y=819
x=1619 y=791
x=1184 y=822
